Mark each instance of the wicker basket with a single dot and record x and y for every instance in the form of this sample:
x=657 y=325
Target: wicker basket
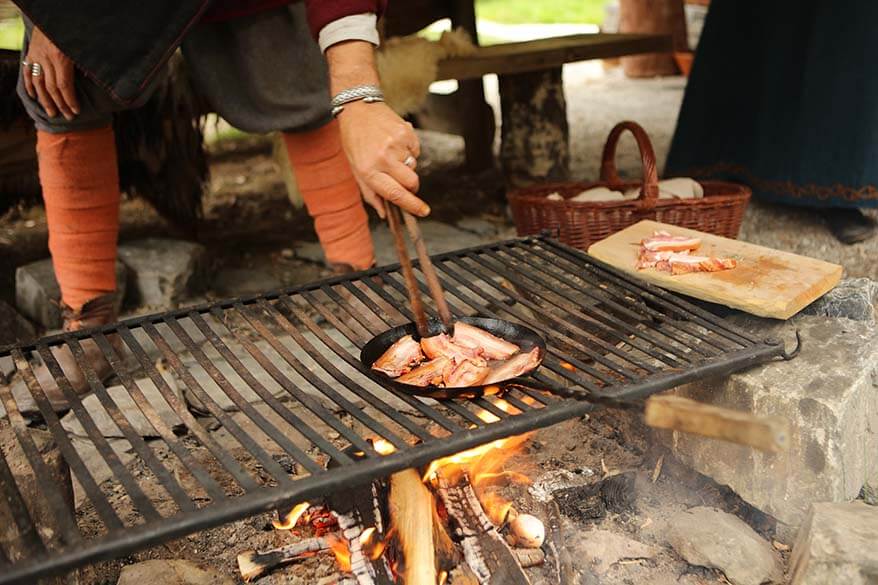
x=580 y=224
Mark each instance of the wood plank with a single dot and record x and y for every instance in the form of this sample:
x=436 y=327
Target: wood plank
x=766 y=282
x=552 y=52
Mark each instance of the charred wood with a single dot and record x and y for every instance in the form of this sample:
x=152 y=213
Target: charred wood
x=254 y=564
x=487 y=554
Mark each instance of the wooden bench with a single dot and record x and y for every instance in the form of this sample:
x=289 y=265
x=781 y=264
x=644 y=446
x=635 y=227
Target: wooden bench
x=535 y=134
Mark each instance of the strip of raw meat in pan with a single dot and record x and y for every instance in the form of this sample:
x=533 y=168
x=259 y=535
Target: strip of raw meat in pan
x=400 y=357
x=493 y=348
x=430 y=373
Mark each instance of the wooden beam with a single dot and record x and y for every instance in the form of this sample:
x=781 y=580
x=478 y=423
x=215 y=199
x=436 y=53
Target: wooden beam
x=766 y=433
x=548 y=53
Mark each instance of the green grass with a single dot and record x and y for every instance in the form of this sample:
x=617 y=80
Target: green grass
x=542 y=11
x=11 y=34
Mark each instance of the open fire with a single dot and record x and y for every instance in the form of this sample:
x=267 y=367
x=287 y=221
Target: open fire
x=439 y=527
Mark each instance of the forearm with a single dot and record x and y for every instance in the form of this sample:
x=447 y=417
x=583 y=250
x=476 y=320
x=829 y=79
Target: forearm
x=351 y=63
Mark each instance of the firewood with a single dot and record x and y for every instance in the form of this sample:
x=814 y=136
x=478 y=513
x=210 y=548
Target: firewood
x=412 y=512
x=529 y=557
x=486 y=553
x=253 y=564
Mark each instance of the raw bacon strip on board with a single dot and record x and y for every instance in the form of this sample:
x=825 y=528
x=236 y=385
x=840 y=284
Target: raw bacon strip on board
x=686 y=264
x=649 y=259
x=665 y=242
x=400 y=357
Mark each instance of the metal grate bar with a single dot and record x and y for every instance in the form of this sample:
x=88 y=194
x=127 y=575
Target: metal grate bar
x=551 y=265
x=227 y=461
x=561 y=335
x=104 y=510
x=358 y=341
x=168 y=481
x=685 y=310
x=143 y=504
x=281 y=374
x=539 y=269
x=326 y=390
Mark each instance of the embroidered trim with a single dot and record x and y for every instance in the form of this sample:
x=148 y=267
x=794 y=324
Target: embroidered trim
x=787 y=188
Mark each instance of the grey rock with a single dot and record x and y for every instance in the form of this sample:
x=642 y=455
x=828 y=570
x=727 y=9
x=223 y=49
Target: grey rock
x=870 y=493
x=163 y=272
x=129 y=409
x=238 y=282
x=171 y=572
x=708 y=537
x=828 y=394
x=838 y=543
x=14 y=328
x=96 y=464
x=599 y=550
x=37 y=294
x=853 y=298
x=442 y=237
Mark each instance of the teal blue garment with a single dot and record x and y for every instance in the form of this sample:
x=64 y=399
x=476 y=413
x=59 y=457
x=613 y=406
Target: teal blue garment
x=783 y=96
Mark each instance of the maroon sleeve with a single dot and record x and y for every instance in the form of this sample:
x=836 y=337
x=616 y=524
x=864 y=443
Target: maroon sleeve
x=322 y=12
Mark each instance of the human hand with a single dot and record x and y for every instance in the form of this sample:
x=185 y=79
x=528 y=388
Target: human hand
x=377 y=143
x=53 y=87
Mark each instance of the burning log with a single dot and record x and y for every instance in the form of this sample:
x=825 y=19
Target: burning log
x=357 y=511
x=486 y=553
x=423 y=540
x=529 y=557
x=253 y=564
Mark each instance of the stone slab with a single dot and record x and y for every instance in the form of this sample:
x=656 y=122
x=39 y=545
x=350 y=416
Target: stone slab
x=853 y=298
x=129 y=409
x=14 y=328
x=711 y=538
x=171 y=572
x=829 y=396
x=838 y=543
x=442 y=237
x=163 y=272
x=37 y=294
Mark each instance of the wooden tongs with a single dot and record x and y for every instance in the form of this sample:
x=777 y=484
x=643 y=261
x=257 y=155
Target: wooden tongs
x=394 y=214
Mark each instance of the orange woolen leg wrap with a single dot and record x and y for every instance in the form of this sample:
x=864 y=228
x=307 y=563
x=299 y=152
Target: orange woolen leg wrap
x=331 y=195
x=80 y=181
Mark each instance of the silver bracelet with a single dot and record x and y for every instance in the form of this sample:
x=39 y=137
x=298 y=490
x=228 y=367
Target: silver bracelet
x=365 y=93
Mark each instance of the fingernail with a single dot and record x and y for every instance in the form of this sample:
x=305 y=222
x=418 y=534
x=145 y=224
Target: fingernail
x=425 y=211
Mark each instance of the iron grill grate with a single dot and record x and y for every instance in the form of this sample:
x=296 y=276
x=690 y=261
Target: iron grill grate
x=280 y=374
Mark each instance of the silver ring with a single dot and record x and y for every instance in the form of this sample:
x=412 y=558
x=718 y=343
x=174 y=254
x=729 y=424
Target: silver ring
x=25 y=64
x=409 y=161
x=36 y=69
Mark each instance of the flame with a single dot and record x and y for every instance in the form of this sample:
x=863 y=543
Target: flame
x=372 y=546
x=496 y=507
x=443 y=577
x=366 y=536
x=292 y=518
x=342 y=552
x=568 y=366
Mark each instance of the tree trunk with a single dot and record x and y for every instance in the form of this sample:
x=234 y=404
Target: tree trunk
x=653 y=17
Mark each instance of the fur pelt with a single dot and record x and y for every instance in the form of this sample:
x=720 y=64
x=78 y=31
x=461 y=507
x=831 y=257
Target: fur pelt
x=408 y=65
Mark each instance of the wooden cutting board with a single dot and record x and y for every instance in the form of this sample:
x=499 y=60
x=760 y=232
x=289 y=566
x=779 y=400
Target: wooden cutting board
x=766 y=282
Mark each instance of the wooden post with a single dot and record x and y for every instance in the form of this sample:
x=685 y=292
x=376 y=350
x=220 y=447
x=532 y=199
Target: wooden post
x=478 y=127
x=653 y=16
x=535 y=134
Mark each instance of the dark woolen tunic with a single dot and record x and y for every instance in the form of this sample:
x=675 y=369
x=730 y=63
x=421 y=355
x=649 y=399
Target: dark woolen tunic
x=783 y=96
x=123 y=44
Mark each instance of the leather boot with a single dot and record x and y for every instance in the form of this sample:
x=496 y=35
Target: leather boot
x=96 y=312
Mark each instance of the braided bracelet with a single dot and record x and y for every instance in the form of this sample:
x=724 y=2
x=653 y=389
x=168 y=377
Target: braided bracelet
x=365 y=93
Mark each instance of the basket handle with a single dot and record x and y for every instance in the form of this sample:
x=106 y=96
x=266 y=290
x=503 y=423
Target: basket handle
x=649 y=192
